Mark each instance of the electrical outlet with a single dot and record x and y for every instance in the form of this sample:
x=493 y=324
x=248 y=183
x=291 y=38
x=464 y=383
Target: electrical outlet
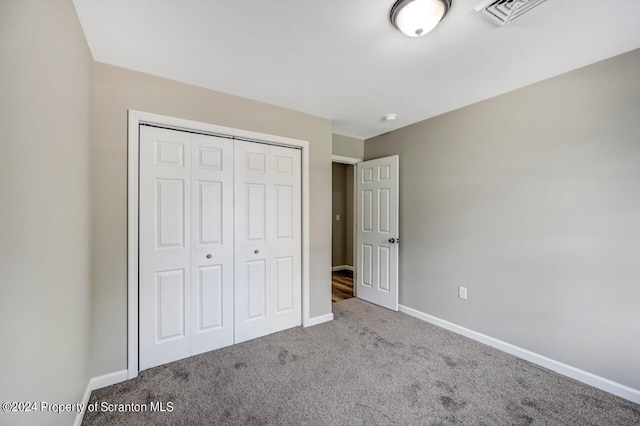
x=337 y=217
x=462 y=293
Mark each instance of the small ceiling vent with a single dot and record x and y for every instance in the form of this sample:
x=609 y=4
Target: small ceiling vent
x=504 y=11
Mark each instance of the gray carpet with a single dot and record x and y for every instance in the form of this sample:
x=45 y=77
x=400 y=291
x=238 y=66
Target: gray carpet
x=370 y=366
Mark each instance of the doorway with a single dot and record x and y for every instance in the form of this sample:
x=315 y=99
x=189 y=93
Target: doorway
x=374 y=230
x=342 y=229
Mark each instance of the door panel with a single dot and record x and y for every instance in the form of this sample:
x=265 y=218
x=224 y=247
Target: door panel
x=377 y=231
x=256 y=208
x=210 y=212
x=367 y=265
x=384 y=273
x=257 y=289
x=170 y=212
x=186 y=244
x=164 y=246
x=252 y=296
x=367 y=210
x=284 y=284
x=284 y=212
x=285 y=232
x=170 y=306
x=210 y=297
x=212 y=243
x=384 y=218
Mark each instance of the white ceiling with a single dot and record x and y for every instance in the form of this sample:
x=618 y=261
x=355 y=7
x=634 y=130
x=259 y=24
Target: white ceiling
x=343 y=60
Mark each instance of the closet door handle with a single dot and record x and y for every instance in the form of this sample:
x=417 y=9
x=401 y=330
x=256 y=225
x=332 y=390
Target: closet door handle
x=256 y=251
x=392 y=240
x=209 y=256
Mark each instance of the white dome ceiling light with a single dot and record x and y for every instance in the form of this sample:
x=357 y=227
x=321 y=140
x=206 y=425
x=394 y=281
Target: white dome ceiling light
x=416 y=18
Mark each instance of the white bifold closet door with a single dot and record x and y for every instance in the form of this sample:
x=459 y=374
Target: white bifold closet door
x=268 y=239
x=186 y=244
x=201 y=286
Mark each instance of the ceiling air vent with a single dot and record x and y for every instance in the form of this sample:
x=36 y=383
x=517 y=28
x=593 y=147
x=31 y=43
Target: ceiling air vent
x=504 y=11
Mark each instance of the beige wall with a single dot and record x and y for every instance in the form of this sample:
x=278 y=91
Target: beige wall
x=532 y=201
x=114 y=91
x=346 y=146
x=45 y=69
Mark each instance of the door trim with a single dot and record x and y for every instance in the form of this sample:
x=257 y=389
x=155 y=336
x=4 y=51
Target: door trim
x=135 y=119
x=345 y=160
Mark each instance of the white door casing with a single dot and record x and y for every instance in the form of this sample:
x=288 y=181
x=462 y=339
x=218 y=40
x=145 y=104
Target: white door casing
x=377 y=234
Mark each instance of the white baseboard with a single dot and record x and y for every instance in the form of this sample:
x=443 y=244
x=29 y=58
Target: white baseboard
x=97 y=383
x=342 y=268
x=590 y=379
x=319 y=319
x=84 y=402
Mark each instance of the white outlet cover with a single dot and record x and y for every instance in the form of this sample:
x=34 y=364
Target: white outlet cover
x=462 y=293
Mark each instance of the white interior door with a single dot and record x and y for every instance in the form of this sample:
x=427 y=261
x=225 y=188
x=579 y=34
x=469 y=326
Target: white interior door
x=186 y=245
x=268 y=239
x=377 y=231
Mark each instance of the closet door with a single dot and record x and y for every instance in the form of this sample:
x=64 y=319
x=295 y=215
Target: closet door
x=165 y=246
x=284 y=232
x=252 y=266
x=213 y=273
x=211 y=243
x=268 y=239
x=186 y=245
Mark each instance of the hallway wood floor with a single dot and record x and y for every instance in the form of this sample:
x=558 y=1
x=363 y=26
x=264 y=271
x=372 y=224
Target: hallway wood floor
x=341 y=285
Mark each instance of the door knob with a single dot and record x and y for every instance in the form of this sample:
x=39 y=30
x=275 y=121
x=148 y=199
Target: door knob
x=256 y=251
x=209 y=256
x=392 y=240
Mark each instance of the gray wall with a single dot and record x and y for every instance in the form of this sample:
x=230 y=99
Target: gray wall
x=45 y=66
x=346 y=146
x=114 y=91
x=532 y=201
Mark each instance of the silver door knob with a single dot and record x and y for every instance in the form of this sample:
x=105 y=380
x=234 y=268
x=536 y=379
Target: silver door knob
x=392 y=240
x=256 y=251
x=209 y=256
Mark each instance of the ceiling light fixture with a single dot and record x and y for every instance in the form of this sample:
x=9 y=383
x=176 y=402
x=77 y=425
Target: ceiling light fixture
x=416 y=18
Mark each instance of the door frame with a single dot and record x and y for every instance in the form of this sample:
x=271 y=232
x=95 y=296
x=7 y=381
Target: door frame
x=352 y=161
x=133 y=165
